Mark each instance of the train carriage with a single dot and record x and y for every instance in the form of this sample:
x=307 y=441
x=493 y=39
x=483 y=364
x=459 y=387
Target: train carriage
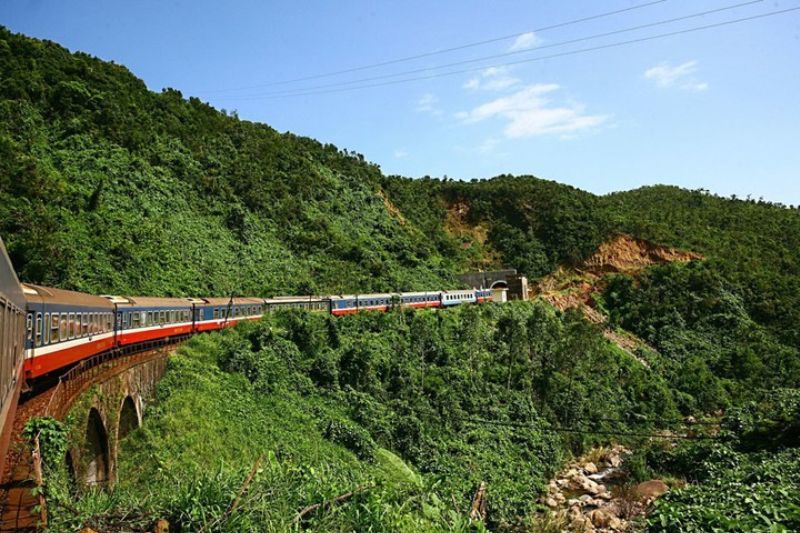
x=309 y=303
x=63 y=327
x=450 y=298
x=12 y=332
x=142 y=319
x=420 y=299
x=218 y=313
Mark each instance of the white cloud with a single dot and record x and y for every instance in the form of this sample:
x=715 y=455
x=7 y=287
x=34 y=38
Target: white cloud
x=681 y=76
x=488 y=145
x=400 y=153
x=492 y=79
x=525 y=41
x=529 y=112
x=426 y=102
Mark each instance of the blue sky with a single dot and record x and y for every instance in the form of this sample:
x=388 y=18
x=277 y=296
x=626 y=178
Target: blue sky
x=717 y=109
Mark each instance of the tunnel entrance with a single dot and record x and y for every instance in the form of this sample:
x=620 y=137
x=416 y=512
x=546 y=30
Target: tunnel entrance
x=128 y=418
x=97 y=450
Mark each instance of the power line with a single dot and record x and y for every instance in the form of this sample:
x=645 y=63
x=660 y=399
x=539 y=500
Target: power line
x=443 y=50
x=583 y=431
x=510 y=53
x=530 y=60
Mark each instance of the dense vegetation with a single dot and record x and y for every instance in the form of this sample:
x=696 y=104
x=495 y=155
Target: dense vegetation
x=420 y=407
x=107 y=187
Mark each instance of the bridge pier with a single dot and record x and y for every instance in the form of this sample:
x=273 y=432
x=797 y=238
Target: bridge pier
x=105 y=415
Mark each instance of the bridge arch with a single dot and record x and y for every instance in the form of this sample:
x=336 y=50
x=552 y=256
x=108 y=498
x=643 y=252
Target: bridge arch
x=129 y=418
x=499 y=284
x=97 y=464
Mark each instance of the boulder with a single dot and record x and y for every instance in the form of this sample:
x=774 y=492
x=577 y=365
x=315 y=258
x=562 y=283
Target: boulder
x=612 y=458
x=581 y=524
x=650 y=490
x=603 y=519
x=551 y=502
x=590 y=468
x=162 y=526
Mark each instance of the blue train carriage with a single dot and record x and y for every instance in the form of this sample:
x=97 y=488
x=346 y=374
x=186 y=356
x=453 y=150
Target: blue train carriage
x=143 y=318
x=309 y=303
x=419 y=300
x=12 y=333
x=483 y=295
x=63 y=327
x=218 y=313
x=457 y=297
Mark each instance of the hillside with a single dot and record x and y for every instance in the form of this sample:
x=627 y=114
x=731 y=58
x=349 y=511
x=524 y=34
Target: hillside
x=107 y=187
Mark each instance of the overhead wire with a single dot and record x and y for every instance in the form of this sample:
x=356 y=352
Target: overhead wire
x=512 y=52
x=563 y=429
x=443 y=50
x=530 y=60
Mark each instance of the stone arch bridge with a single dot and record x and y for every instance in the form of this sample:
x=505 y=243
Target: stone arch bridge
x=100 y=401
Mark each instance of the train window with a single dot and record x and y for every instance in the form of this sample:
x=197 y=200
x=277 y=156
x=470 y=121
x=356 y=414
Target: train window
x=46 y=329
x=38 y=329
x=54 y=328
x=84 y=324
x=29 y=326
x=109 y=321
x=63 y=327
x=134 y=320
x=148 y=318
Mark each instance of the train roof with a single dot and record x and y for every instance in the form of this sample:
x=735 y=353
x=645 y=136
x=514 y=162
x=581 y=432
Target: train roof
x=9 y=284
x=233 y=301
x=50 y=295
x=148 y=301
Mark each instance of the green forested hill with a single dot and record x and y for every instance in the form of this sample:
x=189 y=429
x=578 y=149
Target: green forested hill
x=107 y=187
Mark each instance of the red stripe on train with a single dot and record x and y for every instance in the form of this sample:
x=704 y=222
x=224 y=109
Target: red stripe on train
x=132 y=336
x=44 y=364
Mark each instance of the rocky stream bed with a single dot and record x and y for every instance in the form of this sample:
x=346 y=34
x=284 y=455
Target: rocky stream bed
x=593 y=493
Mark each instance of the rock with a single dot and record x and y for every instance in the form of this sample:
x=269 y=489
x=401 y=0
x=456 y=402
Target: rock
x=650 y=490
x=572 y=472
x=601 y=518
x=612 y=458
x=582 y=524
x=585 y=484
x=560 y=497
x=605 y=495
x=601 y=489
x=87 y=530
x=162 y=526
x=551 y=502
x=590 y=468
x=572 y=503
x=690 y=420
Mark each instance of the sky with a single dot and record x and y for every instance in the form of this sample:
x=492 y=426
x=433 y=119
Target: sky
x=717 y=108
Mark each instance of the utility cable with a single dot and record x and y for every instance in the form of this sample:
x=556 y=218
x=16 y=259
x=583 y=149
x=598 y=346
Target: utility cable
x=442 y=51
x=540 y=58
x=508 y=54
x=562 y=429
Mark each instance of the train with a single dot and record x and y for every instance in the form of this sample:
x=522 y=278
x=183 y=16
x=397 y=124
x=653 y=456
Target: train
x=64 y=327
x=44 y=331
